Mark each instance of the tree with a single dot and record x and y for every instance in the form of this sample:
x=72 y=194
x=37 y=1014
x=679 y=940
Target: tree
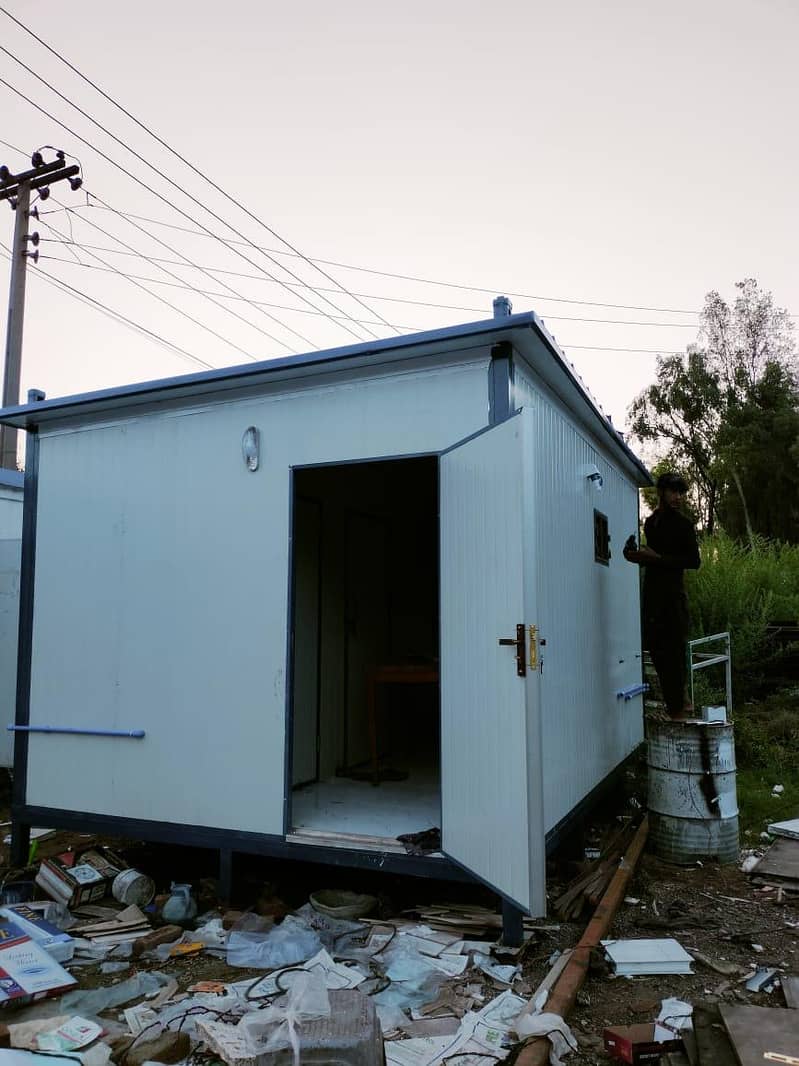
x=721 y=411
x=681 y=411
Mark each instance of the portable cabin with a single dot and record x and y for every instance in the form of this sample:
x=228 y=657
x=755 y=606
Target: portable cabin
x=306 y=606
x=11 y=487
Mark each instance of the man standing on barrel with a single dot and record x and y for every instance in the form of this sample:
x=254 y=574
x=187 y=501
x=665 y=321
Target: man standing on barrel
x=671 y=548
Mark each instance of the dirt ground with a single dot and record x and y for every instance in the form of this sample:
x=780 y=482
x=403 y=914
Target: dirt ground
x=712 y=909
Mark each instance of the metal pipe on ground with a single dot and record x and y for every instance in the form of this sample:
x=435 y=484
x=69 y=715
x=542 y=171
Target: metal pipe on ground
x=563 y=995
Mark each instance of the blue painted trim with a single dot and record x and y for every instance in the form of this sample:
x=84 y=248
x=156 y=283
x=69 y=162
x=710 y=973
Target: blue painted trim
x=25 y=415
x=208 y=383
x=500 y=383
x=11 y=479
x=232 y=841
x=630 y=693
x=137 y=733
x=20 y=830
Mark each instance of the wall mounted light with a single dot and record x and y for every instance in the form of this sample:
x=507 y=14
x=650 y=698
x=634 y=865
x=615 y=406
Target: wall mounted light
x=251 y=447
x=595 y=478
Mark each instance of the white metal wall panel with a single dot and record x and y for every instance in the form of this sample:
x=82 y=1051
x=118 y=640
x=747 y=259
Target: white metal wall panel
x=587 y=613
x=161 y=590
x=490 y=746
x=10 y=554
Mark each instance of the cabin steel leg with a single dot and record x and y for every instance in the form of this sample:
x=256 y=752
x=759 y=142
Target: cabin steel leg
x=512 y=925
x=20 y=844
x=225 y=874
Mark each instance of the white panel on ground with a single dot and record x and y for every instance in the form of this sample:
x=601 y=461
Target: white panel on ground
x=490 y=726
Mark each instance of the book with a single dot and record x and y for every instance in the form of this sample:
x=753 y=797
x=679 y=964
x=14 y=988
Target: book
x=27 y=972
x=631 y=957
x=31 y=921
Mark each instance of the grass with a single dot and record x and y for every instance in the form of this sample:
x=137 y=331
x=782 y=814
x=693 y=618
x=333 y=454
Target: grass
x=758 y=807
x=767 y=753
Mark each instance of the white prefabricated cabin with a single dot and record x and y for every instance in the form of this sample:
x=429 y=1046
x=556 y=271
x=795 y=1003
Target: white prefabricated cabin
x=11 y=483
x=220 y=570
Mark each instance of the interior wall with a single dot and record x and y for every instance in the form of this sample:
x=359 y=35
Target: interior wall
x=379 y=588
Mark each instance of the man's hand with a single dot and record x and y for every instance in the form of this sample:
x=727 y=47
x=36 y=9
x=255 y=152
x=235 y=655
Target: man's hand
x=640 y=555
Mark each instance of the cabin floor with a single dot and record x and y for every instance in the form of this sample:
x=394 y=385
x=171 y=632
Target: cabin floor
x=386 y=810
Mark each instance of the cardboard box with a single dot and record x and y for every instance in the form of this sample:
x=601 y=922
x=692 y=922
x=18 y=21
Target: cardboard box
x=641 y=1044
x=32 y=922
x=27 y=972
x=74 y=880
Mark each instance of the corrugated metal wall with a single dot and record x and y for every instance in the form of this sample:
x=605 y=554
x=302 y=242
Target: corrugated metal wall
x=588 y=613
x=10 y=554
x=161 y=590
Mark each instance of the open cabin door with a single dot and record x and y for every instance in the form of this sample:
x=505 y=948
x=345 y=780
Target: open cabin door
x=491 y=788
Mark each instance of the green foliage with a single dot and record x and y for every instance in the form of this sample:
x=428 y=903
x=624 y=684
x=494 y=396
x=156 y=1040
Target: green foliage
x=767 y=754
x=742 y=589
x=726 y=414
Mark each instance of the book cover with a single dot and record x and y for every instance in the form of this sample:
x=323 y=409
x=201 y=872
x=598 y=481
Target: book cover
x=27 y=972
x=32 y=922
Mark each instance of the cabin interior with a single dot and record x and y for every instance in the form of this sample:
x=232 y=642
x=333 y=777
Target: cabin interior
x=365 y=748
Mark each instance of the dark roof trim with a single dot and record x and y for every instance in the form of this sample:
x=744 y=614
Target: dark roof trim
x=211 y=382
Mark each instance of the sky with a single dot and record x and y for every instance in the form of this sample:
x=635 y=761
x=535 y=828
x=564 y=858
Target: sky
x=572 y=155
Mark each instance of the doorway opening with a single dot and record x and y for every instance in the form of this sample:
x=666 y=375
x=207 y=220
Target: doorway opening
x=365 y=746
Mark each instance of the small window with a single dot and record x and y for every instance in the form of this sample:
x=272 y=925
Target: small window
x=601 y=538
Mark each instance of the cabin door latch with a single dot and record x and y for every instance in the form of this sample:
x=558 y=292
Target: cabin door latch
x=519 y=643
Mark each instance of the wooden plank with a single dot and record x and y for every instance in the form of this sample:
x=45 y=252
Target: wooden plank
x=790 y=989
x=754 y=1031
x=781 y=860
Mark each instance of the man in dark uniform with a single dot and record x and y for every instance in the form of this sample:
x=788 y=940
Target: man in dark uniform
x=671 y=548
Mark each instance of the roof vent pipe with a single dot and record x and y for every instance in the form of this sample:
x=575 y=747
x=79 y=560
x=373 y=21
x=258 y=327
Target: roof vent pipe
x=502 y=307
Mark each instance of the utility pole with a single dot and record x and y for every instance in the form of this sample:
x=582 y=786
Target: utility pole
x=17 y=188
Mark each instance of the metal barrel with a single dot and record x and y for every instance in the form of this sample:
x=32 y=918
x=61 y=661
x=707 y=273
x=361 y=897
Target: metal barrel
x=693 y=808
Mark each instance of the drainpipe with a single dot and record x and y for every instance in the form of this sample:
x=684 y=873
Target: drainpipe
x=563 y=995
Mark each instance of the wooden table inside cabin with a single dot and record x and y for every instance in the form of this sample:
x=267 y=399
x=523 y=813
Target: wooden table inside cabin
x=397 y=674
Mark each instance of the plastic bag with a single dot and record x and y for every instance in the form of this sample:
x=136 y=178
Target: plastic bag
x=287 y=944
x=276 y=1027
x=553 y=1027
x=92 y=1001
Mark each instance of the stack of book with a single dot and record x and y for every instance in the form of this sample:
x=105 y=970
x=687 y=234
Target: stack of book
x=27 y=972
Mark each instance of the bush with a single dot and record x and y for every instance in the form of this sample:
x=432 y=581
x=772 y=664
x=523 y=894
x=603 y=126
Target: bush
x=741 y=589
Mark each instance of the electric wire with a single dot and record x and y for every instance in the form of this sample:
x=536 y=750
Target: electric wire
x=173 y=307
x=199 y=292
x=182 y=158
x=131 y=250
x=117 y=316
x=421 y=280
x=158 y=195
x=212 y=271
x=175 y=185
x=430 y=281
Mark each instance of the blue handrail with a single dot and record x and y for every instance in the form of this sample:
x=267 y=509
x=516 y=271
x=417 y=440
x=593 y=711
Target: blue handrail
x=137 y=733
x=630 y=693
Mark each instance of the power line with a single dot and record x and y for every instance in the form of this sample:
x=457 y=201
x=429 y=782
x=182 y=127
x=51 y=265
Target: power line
x=492 y=289
x=117 y=316
x=144 y=185
x=422 y=280
x=132 y=251
x=210 y=270
x=185 y=161
x=191 y=288
x=166 y=178
x=172 y=306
